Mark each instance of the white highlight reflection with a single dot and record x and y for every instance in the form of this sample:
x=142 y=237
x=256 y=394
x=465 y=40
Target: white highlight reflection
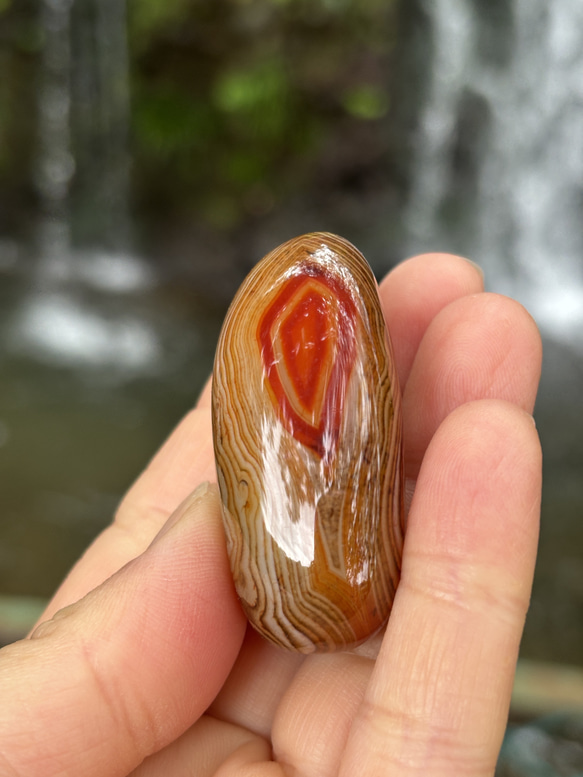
x=279 y=508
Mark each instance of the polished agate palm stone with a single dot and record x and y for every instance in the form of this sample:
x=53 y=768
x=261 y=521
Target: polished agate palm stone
x=307 y=436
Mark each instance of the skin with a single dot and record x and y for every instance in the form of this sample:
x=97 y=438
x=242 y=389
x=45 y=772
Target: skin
x=143 y=664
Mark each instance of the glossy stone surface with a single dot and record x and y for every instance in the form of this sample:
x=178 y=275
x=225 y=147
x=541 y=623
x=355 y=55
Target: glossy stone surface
x=307 y=436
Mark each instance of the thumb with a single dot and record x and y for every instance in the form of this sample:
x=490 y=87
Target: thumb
x=128 y=668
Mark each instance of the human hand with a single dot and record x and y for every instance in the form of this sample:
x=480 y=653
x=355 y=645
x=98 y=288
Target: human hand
x=150 y=668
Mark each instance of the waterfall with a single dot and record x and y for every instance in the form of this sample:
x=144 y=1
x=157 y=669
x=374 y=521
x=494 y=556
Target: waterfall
x=83 y=161
x=101 y=104
x=498 y=161
x=55 y=164
x=83 y=238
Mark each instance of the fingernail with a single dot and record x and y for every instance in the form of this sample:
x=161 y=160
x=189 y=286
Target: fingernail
x=199 y=493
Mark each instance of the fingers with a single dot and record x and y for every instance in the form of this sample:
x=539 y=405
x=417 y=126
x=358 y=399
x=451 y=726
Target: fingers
x=413 y=294
x=205 y=747
x=316 y=713
x=438 y=699
x=445 y=358
x=309 y=732
x=126 y=670
x=476 y=346
x=253 y=690
x=479 y=346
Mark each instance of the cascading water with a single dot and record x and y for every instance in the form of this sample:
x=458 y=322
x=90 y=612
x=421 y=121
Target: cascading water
x=100 y=112
x=97 y=361
x=498 y=165
x=82 y=177
x=497 y=175
x=82 y=166
x=55 y=164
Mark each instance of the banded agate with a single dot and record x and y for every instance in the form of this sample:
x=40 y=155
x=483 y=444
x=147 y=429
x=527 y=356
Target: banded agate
x=307 y=436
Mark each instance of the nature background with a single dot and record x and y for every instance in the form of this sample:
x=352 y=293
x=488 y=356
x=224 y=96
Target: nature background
x=151 y=153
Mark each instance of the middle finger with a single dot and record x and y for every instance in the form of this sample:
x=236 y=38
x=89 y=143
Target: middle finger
x=482 y=346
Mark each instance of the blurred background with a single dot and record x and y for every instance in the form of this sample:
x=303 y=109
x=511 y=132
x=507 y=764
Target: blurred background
x=152 y=151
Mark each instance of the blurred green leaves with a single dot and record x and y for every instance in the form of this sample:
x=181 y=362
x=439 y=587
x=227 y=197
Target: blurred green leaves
x=366 y=102
x=150 y=17
x=168 y=124
x=238 y=104
x=257 y=97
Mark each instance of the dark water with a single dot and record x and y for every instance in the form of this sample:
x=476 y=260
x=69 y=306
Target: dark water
x=549 y=747
x=91 y=384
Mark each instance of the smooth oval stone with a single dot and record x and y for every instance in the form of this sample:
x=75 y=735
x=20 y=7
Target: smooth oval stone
x=307 y=436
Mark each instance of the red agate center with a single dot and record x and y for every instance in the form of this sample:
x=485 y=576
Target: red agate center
x=307 y=340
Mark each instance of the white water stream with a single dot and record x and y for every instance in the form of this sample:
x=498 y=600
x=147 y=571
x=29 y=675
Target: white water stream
x=527 y=225
x=82 y=175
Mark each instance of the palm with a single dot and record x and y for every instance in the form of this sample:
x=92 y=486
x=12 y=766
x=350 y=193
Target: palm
x=435 y=700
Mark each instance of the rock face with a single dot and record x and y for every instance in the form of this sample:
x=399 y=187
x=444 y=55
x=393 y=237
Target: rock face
x=307 y=434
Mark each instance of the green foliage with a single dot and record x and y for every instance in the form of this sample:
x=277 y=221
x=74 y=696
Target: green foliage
x=168 y=125
x=237 y=105
x=255 y=101
x=366 y=102
x=20 y=42
x=236 y=102
x=251 y=90
x=150 y=17
x=4 y=123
